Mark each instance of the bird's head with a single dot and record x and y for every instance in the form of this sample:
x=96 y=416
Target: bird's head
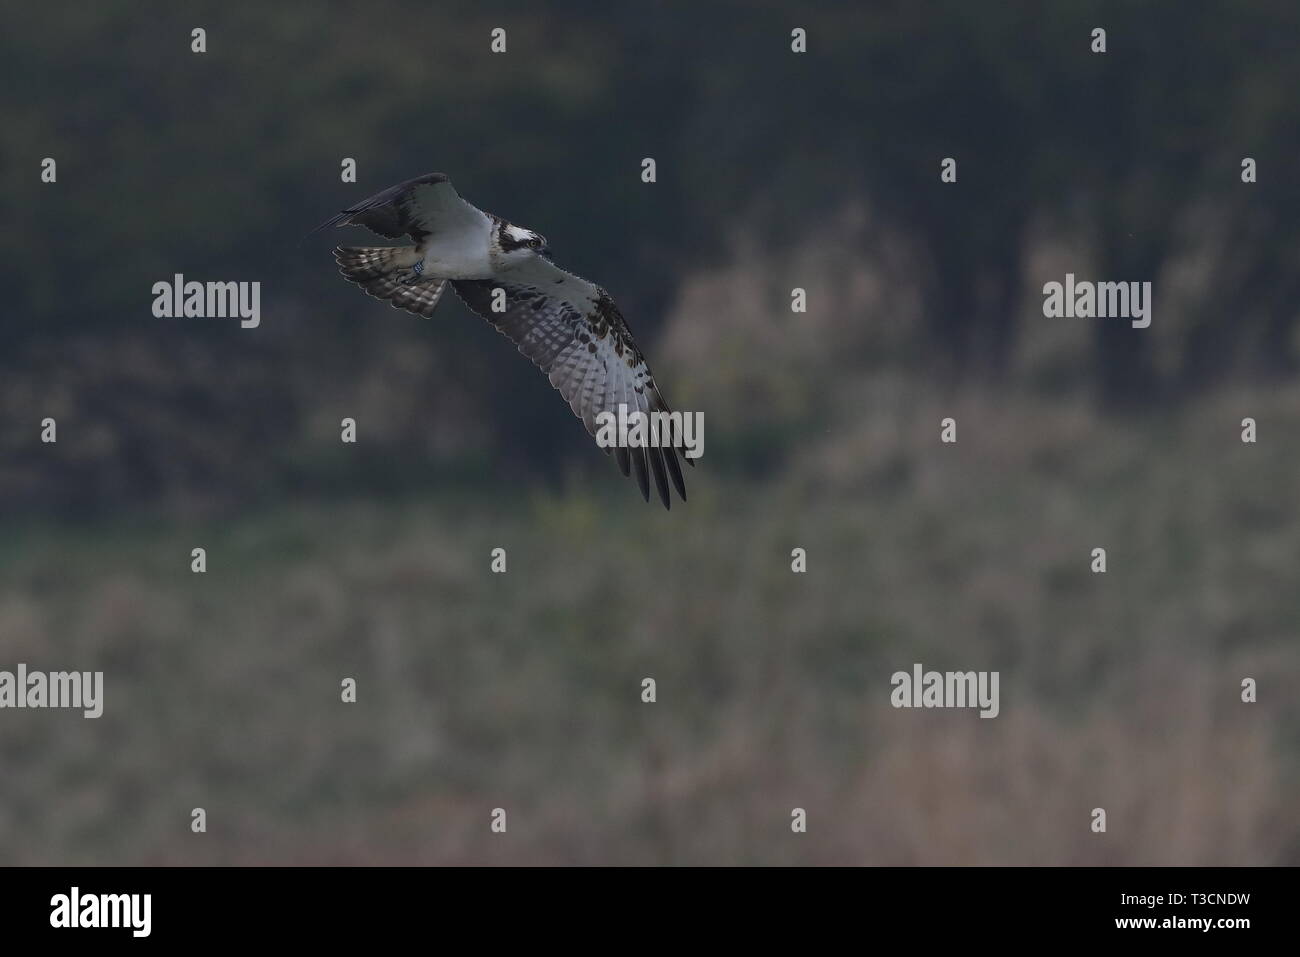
x=519 y=243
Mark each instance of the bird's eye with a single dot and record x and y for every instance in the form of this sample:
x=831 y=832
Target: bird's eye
x=535 y=243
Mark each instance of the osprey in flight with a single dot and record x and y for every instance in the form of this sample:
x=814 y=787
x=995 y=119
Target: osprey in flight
x=569 y=327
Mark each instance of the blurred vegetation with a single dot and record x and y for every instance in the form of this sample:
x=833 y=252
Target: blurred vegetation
x=522 y=690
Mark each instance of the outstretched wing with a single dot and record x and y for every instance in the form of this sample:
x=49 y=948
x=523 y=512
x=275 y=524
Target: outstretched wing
x=574 y=333
x=415 y=208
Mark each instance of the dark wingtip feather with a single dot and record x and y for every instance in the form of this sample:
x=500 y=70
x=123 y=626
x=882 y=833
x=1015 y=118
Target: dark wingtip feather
x=675 y=471
x=335 y=220
x=642 y=478
x=661 y=479
x=624 y=463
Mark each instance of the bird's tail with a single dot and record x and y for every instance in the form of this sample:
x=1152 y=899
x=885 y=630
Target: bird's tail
x=359 y=263
x=382 y=271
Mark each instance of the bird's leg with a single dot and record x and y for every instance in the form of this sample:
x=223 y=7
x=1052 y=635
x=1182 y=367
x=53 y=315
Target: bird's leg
x=416 y=270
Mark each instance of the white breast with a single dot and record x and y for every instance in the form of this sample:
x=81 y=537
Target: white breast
x=459 y=254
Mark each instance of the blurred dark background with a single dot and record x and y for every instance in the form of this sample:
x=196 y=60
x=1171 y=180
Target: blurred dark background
x=775 y=170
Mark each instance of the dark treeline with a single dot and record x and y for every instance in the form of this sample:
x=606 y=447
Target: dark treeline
x=215 y=165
